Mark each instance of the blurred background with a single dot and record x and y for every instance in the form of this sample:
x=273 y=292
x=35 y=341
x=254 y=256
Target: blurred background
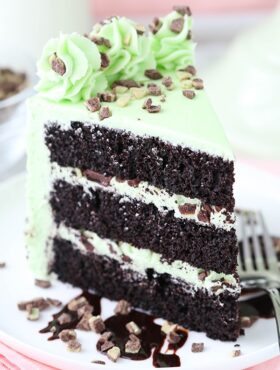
x=238 y=55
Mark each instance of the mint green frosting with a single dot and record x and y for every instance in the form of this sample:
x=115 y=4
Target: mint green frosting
x=83 y=77
x=173 y=50
x=130 y=54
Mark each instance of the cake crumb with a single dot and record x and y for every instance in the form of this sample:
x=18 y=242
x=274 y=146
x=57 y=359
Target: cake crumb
x=77 y=303
x=104 y=112
x=43 y=283
x=133 y=345
x=96 y=324
x=114 y=354
x=74 y=346
x=236 y=353
x=67 y=334
x=197 y=347
x=153 y=74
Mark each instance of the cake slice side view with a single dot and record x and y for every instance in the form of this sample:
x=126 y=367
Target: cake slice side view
x=130 y=175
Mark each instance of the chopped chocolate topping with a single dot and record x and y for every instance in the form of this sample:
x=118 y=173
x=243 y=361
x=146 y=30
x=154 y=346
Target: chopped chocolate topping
x=236 y=353
x=167 y=81
x=104 y=113
x=155 y=26
x=96 y=324
x=101 y=41
x=153 y=74
x=107 y=96
x=93 y=104
x=106 y=346
x=74 y=346
x=2 y=265
x=105 y=61
x=43 y=283
x=106 y=336
x=133 y=345
x=190 y=69
x=75 y=304
x=140 y=29
x=40 y=303
x=173 y=337
x=182 y=9
x=122 y=308
x=134 y=182
x=64 y=318
x=98 y=362
x=114 y=354
x=197 y=83
x=177 y=25
x=247 y=321
x=67 y=334
x=11 y=82
x=154 y=109
x=88 y=246
x=97 y=177
x=126 y=83
x=197 y=347
x=202 y=275
x=133 y=328
x=88 y=308
x=190 y=94
x=187 y=209
x=58 y=65
x=33 y=313
x=204 y=214
x=147 y=103
x=54 y=302
x=154 y=90
x=83 y=324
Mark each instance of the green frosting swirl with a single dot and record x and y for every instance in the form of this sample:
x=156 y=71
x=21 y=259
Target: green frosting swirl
x=173 y=50
x=83 y=77
x=129 y=54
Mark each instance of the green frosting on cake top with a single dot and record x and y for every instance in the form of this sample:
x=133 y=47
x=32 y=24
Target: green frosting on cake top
x=75 y=68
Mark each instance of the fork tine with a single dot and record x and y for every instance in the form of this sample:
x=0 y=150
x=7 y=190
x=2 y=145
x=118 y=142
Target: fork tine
x=268 y=247
x=248 y=260
x=259 y=259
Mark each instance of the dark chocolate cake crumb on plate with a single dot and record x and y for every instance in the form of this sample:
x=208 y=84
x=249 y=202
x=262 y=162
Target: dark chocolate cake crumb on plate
x=197 y=347
x=93 y=104
x=104 y=113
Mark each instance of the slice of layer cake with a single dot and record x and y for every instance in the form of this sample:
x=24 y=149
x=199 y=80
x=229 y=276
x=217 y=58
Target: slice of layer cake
x=130 y=175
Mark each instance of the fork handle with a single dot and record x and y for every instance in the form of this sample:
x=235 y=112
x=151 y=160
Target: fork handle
x=274 y=295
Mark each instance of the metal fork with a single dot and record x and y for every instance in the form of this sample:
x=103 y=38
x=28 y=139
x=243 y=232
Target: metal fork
x=257 y=262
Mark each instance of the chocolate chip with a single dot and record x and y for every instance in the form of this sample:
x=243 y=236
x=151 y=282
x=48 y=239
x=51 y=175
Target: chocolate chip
x=153 y=74
x=140 y=29
x=114 y=354
x=67 y=334
x=190 y=94
x=202 y=275
x=187 y=209
x=97 y=177
x=177 y=25
x=105 y=61
x=58 y=65
x=236 y=353
x=154 y=109
x=182 y=9
x=197 y=83
x=107 y=96
x=204 y=214
x=155 y=26
x=154 y=90
x=74 y=346
x=76 y=303
x=133 y=345
x=104 y=113
x=93 y=104
x=133 y=328
x=197 y=347
x=43 y=283
x=147 y=103
x=96 y=324
x=167 y=81
x=64 y=318
x=134 y=182
x=101 y=41
x=126 y=83
x=122 y=308
x=106 y=346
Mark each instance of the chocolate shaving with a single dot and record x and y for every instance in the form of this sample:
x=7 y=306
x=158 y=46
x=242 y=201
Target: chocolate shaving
x=126 y=83
x=106 y=346
x=105 y=61
x=204 y=214
x=40 y=303
x=236 y=353
x=197 y=83
x=98 y=362
x=133 y=345
x=104 y=113
x=54 y=302
x=96 y=324
x=177 y=25
x=101 y=41
x=190 y=94
x=97 y=177
x=154 y=109
x=57 y=64
x=187 y=209
x=154 y=90
x=107 y=96
x=64 y=318
x=147 y=103
x=182 y=9
x=167 y=81
x=155 y=26
x=93 y=104
x=43 y=283
x=153 y=74
x=190 y=69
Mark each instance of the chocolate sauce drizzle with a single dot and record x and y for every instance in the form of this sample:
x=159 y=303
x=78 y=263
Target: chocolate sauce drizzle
x=152 y=338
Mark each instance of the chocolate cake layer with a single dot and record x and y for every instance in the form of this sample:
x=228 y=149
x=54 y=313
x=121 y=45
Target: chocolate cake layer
x=117 y=153
x=164 y=297
x=142 y=225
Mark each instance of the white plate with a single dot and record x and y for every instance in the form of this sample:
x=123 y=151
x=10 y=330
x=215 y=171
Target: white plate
x=253 y=189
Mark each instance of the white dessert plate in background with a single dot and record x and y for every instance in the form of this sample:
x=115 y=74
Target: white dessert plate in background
x=254 y=189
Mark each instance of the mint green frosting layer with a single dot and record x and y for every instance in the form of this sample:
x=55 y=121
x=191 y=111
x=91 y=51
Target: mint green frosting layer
x=130 y=54
x=173 y=50
x=83 y=76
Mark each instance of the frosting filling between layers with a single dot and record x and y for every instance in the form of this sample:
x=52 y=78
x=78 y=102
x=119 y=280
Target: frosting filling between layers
x=142 y=259
x=183 y=207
